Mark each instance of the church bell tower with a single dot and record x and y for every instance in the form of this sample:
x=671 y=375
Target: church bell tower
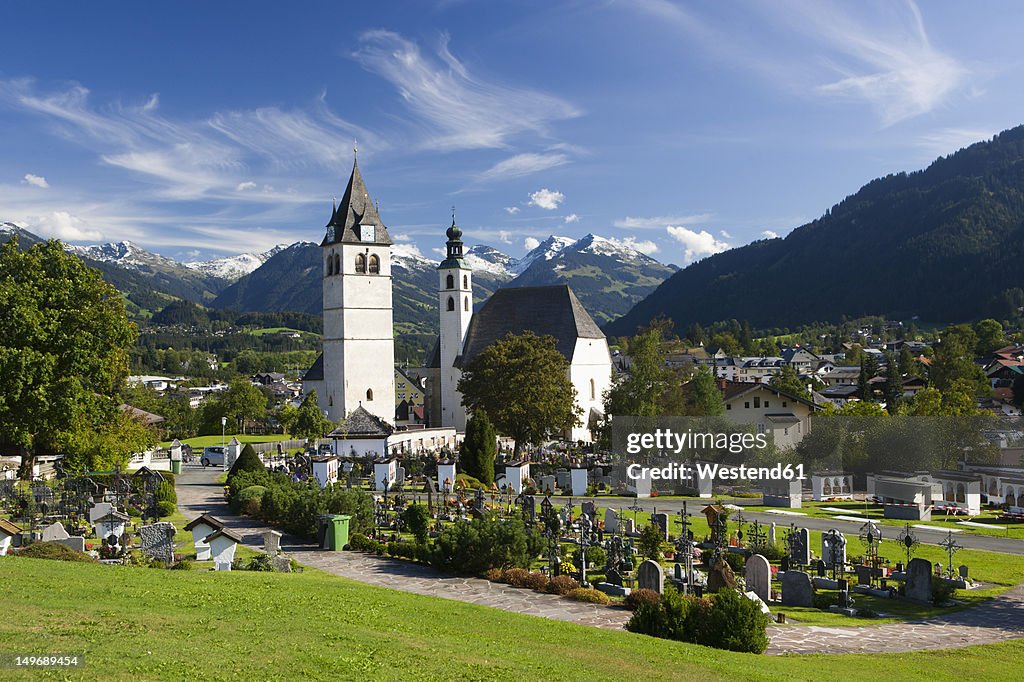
x=359 y=346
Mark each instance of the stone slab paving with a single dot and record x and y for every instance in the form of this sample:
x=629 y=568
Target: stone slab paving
x=997 y=620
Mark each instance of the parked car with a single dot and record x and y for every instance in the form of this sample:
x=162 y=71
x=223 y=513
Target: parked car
x=213 y=456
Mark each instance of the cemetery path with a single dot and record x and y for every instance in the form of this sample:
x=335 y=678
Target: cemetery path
x=997 y=620
x=994 y=621
x=199 y=492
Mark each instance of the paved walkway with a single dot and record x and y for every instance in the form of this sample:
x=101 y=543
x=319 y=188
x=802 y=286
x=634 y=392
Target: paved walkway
x=999 y=619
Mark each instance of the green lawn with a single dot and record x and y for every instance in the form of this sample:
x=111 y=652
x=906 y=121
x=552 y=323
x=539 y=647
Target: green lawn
x=868 y=511
x=134 y=623
x=200 y=442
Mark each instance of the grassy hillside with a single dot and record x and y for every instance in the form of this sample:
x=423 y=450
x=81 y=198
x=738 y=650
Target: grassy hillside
x=137 y=624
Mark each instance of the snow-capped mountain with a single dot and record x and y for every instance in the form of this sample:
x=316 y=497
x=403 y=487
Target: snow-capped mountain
x=231 y=268
x=545 y=251
x=125 y=254
x=483 y=258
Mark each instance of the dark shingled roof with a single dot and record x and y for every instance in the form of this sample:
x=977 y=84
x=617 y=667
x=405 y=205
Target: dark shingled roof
x=211 y=521
x=545 y=311
x=356 y=208
x=362 y=424
x=316 y=372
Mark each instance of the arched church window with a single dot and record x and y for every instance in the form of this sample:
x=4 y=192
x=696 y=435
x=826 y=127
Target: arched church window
x=450 y=282
x=360 y=263
x=465 y=281
x=369 y=394
x=593 y=390
x=374 y=264
x=451 y=303
x=337 y=264
x=330 y=265
x=465 y=304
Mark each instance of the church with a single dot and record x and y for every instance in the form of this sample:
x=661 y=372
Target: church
x=356 y=369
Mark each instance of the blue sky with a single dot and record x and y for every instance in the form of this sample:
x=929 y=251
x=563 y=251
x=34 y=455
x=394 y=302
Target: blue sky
x=206 y=129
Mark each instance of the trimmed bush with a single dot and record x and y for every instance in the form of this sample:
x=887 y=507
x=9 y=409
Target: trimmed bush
x=727 y=620
x=642 y=596
x=472 y=547
x=942 y=591
x=562 y=584
x=55 y=551
x=589 y=595
x=165 y=508
x=165 y=491
x=249 y=500
x=260 y=562
x=536 y=581
x=495 y=575
x=247 y=460
x=516 y=577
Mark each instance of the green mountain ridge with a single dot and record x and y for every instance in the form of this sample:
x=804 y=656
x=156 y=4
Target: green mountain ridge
x=944 y=244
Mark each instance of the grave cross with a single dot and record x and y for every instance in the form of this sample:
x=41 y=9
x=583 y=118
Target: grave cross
x=758 y=538
x=951 y=547
x=908 y=540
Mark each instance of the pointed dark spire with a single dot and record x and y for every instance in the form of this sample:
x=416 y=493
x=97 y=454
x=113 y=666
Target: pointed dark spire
x=356 y=209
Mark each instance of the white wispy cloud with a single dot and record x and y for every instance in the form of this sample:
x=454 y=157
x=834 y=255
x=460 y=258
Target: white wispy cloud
x=725 y=234
x=696 y=244
x=243 y=186
x=659 y=222
x=546 y=198
x=950 y=140
x=36 y=180
x=63 y=225
x=189 y=159
x=455 y=108
x=505 y=237
x=522 y=164
x=511 y=210
x=770 y=234
x=879 y=53
x=571 y=218
x=531 y=243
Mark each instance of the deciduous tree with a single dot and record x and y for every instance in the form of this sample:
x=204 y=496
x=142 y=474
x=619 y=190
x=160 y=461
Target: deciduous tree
x=522 y=383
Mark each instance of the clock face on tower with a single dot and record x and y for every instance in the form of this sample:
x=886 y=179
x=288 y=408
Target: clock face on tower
x=367 y=233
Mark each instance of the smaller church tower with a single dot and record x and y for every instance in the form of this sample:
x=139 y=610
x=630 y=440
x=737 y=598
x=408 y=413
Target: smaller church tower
x=455 y=295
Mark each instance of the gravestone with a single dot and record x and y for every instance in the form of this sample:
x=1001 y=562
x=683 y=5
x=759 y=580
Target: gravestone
x=271 y=542
x=836 y=552
x=660 y=519
x=55 y=532
x=650 y=576
x=628 y=527
x=720 y=576
x=863 y=575
x=758 y=573
x=281 y=564
x=399 y=475
x=771 y=534
x=589 y=508
x=821 y=567
x=547 y=484
x=800 y=547
x=158 y=541
x=99 y=510
x=75 y=543
x=797 y=589
x=529 y=507
x=611 y=521
x=963 y=571
x=919 y=580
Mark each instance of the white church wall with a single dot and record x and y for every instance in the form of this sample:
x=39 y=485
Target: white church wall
x=590 y=373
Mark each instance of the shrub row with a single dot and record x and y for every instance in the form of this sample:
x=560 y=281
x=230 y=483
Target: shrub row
x=589 y=595
x=727 y=620
x=297 y=506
